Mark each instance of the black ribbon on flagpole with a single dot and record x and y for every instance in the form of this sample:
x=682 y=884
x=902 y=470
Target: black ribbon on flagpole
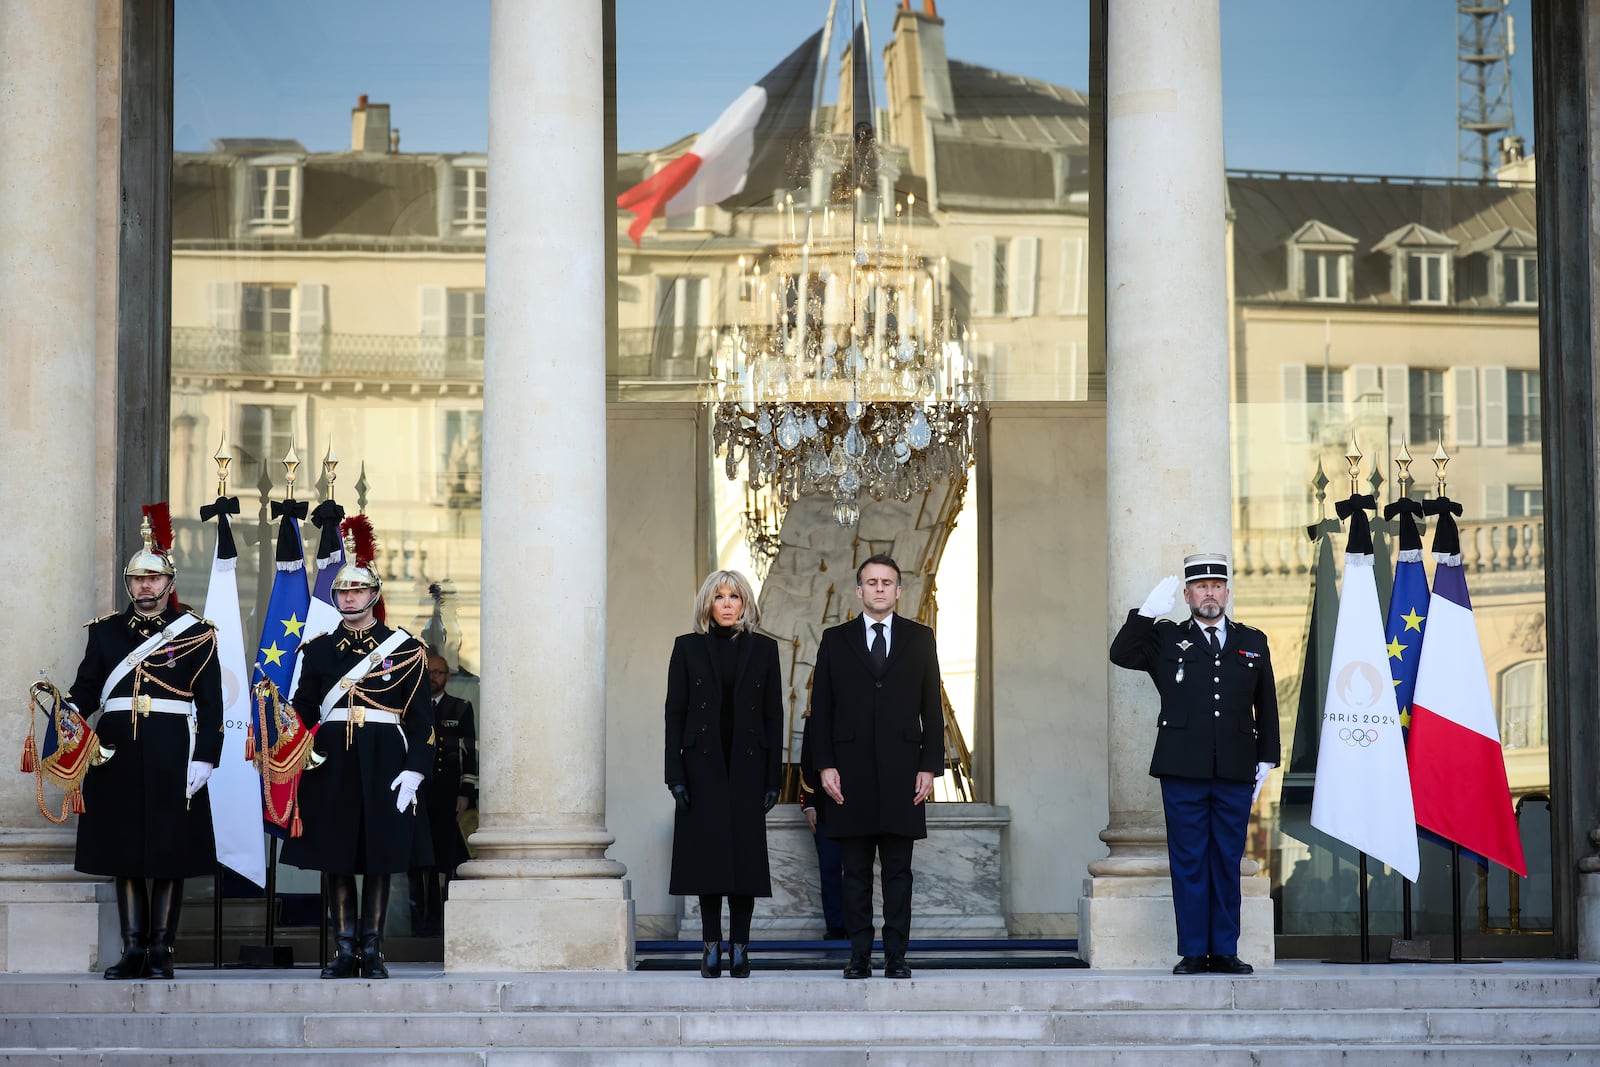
x=224 y=506
x=289 y=509
x=1446 y=535
x=1410 y=512
x=1354 y=508
x=326 y=518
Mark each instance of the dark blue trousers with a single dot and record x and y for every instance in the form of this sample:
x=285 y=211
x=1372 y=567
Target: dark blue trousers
x=1206 y=823
x=830 y=867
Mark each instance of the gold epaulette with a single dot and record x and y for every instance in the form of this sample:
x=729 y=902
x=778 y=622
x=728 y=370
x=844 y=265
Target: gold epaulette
x=202 y=618
x=103 y=618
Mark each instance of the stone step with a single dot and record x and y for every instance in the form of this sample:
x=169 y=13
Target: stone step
x=286 y=1030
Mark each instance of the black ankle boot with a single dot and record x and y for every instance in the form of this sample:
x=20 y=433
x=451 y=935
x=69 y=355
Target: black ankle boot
x=342 y=909
x=133 y=909
x=374 y=907
x=711 y=959
x=739 y=960
x=166 y=903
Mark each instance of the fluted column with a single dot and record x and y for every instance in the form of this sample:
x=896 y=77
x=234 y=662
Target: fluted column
x=1168 y=490
x=48 y=915
x=541 y=893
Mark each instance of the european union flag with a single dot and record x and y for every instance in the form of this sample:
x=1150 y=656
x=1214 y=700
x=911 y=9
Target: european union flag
x=1408 y=608
x=287 y=607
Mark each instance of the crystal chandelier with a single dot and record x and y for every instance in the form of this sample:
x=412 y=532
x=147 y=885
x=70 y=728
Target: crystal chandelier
x=848 y=373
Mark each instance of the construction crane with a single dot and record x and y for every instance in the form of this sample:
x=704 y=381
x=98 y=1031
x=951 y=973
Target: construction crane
x=1484 y=119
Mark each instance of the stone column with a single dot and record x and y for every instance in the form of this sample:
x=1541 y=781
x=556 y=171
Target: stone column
x=48 y=915
x=541 y=893
x=1168 y=488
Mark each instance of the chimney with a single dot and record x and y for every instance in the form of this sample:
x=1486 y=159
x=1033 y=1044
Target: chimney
x=369 y=127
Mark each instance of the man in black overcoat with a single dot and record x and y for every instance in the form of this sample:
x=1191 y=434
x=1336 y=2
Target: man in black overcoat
x=445 y=795
x=365 y=689
x=1216 y=739
x=877 y=731
x=152 y=671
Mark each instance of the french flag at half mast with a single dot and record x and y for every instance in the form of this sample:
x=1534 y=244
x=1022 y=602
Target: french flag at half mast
x=1458 y=770
x=744 y=152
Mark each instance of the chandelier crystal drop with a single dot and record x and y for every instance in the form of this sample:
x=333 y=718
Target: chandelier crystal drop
x=847 y=372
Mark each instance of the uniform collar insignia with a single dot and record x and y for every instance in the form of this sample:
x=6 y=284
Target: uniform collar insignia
x=1183 y=646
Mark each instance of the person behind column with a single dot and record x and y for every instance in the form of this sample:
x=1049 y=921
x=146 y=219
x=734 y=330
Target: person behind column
x=152 y=669
x=446 y=794
x=877 y=735
x=1216 y=739
x=830 y=862
x=724 y=752
x=367 y=686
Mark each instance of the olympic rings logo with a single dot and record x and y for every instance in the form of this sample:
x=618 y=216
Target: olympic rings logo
x=1358 y=738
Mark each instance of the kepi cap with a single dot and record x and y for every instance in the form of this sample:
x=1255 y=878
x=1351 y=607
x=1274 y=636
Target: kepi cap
x=1205 y=565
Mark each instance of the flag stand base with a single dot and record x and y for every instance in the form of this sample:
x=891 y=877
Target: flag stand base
x=266 y=957
x=1410 y=950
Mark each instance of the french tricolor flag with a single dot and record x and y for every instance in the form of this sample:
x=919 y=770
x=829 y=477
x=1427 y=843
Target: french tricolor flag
x=1458 y=770
x=747 y=148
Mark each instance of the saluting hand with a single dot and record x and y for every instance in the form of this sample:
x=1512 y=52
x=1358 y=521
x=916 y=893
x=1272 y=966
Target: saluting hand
x=1162 y=599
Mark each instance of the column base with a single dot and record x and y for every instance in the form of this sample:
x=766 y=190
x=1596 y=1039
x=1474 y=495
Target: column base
x=57 y=927
x=1589 y=916
x=1127 y=922
x=539 y=924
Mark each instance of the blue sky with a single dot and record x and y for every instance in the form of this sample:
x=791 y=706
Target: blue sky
x=1361 y=86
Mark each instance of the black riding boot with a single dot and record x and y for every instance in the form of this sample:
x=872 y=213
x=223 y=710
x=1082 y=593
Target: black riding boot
x=133 y=912
x=374 y=907
x=166 y=902
x=342 y=909
x=417 y=892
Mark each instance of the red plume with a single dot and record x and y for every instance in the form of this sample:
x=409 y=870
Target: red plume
x=160 y=525
x=359 y=527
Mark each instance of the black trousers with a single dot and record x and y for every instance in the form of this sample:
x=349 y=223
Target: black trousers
x=894 y=859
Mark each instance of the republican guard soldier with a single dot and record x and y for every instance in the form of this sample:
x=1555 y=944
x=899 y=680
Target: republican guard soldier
x=363 y=688
x=152 y=671
x=1216 y=737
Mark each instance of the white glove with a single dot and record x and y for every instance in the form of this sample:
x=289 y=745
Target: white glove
x=406 y=782
x=1162 y=599
x=1262 y=770
x=199 y=771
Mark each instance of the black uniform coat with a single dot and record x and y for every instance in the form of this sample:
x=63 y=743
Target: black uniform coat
x=878 y=732
x=719 y=846
x=455 y=774
x=136 y=822
x=346 y=806
x=1219 y=720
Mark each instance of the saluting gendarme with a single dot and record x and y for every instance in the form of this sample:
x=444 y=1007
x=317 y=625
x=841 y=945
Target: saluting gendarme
x=1217 y=734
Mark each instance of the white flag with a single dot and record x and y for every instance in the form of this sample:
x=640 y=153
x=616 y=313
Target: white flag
x=1363 y=787
x=235 y=786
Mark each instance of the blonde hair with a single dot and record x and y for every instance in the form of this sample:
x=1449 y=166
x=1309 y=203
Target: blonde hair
x=708 y=591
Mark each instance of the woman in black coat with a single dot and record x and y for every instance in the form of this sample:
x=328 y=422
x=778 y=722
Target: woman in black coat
x=724 y=753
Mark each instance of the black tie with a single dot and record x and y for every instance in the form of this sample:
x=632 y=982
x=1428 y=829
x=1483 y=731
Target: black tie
x=1211 y=636
x=879 y=649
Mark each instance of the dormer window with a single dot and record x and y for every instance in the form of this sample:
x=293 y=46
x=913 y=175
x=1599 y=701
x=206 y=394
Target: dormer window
x=1521 y=273
x=469 y=195
x=1320 y=262
x=273 y=204
x=1420 y=258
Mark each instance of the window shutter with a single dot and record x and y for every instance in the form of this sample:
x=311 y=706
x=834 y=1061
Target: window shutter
x=1397 y=398
x=1494 y=502
x=432 y=319
x=1071 y=297
x=1494 y=407
x=1024 y=275
x=223 y=301
x=1464 y=405
x=1363 y=381
x=983 y=276
x=311 y=323
x=1294 y=402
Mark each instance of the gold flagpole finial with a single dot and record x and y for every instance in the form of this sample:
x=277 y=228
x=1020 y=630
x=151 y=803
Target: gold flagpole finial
x=329 y=462
x=291 y=463
x=223 y=459
x=1353 y=458
x=1441 y=460
x=1403 y=461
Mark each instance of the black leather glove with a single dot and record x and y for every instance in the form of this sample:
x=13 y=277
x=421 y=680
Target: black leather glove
x=680 y=796
x=769 y=800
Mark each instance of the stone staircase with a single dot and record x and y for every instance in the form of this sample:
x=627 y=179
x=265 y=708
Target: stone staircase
x=1536 y=1012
